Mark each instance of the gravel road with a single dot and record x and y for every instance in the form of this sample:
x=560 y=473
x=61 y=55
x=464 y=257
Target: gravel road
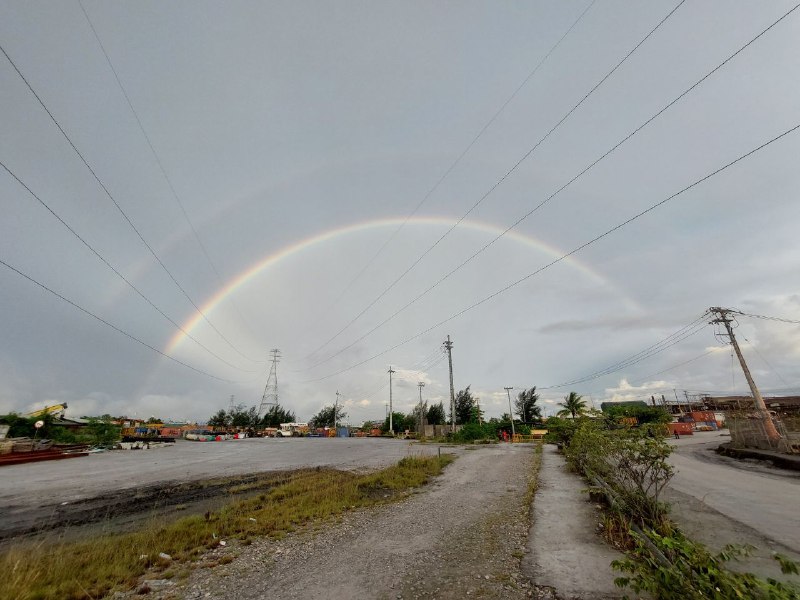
x=460 y=536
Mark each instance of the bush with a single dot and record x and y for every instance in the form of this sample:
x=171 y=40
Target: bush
x=631 y=461
x=471 y=432
x=691 y=572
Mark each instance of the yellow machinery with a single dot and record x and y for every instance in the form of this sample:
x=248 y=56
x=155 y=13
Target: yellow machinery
x=57 y=410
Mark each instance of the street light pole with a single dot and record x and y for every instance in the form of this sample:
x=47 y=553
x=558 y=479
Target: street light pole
x=510 y=413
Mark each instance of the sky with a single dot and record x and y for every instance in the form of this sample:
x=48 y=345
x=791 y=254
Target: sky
x=189 y=185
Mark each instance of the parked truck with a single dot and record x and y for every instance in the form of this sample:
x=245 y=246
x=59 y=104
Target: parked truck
x=292 y=430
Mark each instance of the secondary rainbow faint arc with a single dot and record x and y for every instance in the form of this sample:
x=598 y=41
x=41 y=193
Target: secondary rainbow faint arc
x=251 y=272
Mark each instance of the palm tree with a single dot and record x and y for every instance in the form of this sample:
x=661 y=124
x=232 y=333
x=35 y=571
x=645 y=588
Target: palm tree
x=573 y=405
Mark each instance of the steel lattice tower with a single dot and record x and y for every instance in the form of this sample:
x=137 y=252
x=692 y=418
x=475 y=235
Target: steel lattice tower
x=270 y=397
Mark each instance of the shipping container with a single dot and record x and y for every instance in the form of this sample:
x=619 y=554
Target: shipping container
x=680 y=428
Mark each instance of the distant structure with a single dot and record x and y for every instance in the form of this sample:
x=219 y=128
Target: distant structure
x=270 y=396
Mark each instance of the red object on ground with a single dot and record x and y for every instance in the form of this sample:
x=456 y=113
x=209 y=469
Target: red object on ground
x=680 y=428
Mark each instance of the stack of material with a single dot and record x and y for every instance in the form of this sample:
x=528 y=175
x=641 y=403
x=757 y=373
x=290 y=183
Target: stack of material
x=6 y=446
x=23 y=445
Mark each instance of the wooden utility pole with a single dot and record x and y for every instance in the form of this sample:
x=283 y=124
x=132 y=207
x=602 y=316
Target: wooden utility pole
x=449 y=346
x=761 y=407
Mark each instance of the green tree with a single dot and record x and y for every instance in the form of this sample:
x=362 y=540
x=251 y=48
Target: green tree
x=150 y=420
x=436 y=414
x=325 y=417
x=221 y=419
x=277 y=415
x=465 y=403
x=400 y=422
x=102 y=432
x=244 y=418
x=525 y=405
x=572 y=405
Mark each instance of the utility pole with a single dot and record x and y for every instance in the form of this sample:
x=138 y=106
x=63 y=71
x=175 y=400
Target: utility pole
x=510 y=413
x=335 y=410
x=761 y=407
x=449 y=347
x=391 y=428
x=420 y=385
x=688 y=402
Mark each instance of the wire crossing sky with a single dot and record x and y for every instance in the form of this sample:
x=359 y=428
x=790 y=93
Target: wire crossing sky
x=354 y=190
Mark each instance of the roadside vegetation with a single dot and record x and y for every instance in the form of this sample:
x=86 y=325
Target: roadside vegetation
x=92 y=568
x=100 y=431
x=628 y=469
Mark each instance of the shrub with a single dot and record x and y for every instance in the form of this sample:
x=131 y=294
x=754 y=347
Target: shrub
x=691 y=572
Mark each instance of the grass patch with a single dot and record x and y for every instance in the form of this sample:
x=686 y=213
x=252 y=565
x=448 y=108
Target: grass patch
x=91 y=568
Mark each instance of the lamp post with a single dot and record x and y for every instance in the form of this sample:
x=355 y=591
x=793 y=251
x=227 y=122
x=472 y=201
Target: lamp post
x=510 y=414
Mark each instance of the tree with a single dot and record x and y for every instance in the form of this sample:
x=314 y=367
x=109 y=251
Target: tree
x=102 y=431
x=572 y=405
x=151 y=420
x=525 y=405
x=325 y=417
x=221 y=419
x=436 y=414
x=464 y=405
x=244 y=418
x=400 y=422
x=277 y=415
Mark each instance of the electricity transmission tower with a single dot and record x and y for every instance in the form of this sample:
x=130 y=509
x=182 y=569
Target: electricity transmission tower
x=270 y=396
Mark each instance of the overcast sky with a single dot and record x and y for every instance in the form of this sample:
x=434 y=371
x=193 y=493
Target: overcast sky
x=311 y=159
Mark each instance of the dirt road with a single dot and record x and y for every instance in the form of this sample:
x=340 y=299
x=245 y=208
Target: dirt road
x=461 y=536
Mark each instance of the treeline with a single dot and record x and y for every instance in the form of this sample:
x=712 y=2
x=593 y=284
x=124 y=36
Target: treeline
x=240 y=418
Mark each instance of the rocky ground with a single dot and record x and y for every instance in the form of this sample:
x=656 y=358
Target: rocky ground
x=461 y=536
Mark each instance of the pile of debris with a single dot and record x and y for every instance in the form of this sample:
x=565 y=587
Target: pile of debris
x=22 y=450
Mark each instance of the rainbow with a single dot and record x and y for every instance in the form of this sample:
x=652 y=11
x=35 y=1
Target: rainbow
x=268 y=261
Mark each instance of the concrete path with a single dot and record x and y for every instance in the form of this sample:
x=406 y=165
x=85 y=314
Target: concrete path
x=564 y=552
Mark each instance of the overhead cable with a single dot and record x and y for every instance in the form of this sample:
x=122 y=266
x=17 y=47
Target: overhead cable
x=553 y=195
x=158 y=160
x=119 y=208
x=680 y=335
x=499 y=181
x=568 y=254
x=116 y=272
x=109 y=324
x=456 y=162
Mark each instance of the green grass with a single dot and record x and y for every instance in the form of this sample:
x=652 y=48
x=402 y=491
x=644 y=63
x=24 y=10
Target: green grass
x=92 y=568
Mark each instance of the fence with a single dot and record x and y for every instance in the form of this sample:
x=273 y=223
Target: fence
x=748 y=430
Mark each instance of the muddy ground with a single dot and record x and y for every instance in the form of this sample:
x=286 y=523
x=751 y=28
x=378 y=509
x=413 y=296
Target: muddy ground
x=122 y=510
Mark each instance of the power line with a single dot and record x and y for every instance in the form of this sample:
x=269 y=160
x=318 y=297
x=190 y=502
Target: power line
x=119 y=208
x=779 y=319
x=680 y=335
x=766 y=362
x=107 y=323
x=568 y=254
x=501 y=180
x=158 y=158
x=116 y=272
x=545 y=201
x=456 y=162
